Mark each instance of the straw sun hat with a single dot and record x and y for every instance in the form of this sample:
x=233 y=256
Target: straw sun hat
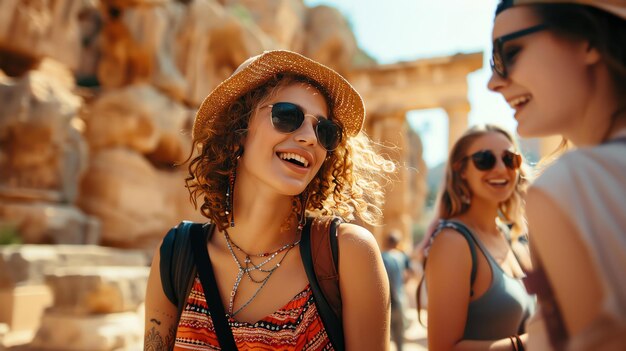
x=347 y=104
x=616 y=7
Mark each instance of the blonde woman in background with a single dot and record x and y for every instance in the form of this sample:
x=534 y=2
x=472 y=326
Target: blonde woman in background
x=476 y=300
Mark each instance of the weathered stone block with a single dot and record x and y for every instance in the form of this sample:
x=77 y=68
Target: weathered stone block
x=282 y=20
x=23 y=306
x=329 y=39
x=142 y=119
x=26 y=264
x=42 y=153
x=49 y=223
x=41 y=28
x=109 y=332
x=97 y=290
x=136 y=202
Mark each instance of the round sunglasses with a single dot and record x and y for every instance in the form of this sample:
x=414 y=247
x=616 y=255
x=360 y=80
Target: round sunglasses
x=485 y=160
x=287 y=117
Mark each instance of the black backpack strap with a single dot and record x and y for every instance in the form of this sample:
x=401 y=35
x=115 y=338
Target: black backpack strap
x=318 y=272
x=176 y=266
x=209 y=285
x=166 y=252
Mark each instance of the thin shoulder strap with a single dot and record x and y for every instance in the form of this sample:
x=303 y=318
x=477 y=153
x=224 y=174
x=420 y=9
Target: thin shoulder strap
x=471 y=242
x=209 y=285
x=320 y=256
x=463 y=230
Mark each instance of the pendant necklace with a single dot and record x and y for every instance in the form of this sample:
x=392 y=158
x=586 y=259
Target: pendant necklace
x=249 y=266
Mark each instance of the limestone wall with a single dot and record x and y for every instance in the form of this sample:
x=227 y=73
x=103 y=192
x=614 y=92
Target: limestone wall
x=98 y=99
x=95 y=293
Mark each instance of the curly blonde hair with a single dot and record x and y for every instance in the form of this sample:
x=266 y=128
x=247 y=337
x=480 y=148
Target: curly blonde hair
x=346 y=184
x=455 y=189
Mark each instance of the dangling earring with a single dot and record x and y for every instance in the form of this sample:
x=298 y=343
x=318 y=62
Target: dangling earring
x=466 y=199
x=304 y=200
x=230 y=192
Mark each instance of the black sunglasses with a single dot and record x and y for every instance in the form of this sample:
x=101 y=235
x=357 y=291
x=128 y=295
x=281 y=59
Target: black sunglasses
x=287 y=117
x=498 y=61
x=485 y=160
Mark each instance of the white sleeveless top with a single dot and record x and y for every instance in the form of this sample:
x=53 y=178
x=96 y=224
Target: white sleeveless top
x=589 y=184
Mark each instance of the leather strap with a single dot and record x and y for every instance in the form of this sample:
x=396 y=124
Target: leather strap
x=319 y=251
x=325 y=260
x=209 y=285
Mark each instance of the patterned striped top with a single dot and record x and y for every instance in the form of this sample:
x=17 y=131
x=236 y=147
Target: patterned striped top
x=295 y=326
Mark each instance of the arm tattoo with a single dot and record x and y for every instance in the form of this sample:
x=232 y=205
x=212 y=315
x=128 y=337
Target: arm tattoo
x=154 y=342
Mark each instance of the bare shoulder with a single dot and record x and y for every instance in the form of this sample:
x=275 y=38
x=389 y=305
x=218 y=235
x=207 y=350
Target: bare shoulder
x=449 y=256
x=357 y=245
x=360 y=263
x=355 y=237
x=363 y=282
x=449 y=242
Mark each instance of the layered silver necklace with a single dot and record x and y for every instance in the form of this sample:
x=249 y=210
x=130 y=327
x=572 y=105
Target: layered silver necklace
x=248 y=266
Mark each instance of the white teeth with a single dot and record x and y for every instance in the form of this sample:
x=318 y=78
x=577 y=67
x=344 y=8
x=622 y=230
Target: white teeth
x=497 y=181
x=295 y=157
x=519 y=100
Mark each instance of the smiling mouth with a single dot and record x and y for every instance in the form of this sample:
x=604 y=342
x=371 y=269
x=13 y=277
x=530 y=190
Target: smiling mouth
x=294 y=158
x=519 y=101
x=498 y=182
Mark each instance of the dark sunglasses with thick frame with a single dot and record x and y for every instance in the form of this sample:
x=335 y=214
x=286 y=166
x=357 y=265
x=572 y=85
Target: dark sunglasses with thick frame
x=485 y=160
x=498 y=61
x=288 y=117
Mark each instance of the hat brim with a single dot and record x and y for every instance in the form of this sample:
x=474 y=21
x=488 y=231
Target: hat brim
x=616 y=7
x=347 y=104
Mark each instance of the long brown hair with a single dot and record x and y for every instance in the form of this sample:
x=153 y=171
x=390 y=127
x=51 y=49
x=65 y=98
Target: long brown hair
x=450 y=201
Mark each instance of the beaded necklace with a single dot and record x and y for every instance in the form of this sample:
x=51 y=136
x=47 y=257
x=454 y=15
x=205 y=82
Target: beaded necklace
x=250 y=266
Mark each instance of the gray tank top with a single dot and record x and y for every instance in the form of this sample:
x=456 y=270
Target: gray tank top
x=502 y=310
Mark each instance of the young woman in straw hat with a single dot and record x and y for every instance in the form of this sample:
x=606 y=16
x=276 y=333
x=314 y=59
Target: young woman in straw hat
x=476 y=300
x=561 y=65
x=278 y=141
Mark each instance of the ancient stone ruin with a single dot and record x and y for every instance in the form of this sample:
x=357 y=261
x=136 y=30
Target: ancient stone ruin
x=98 y=99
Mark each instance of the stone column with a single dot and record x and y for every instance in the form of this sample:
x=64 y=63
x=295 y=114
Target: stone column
x=457 y=111
x=418 y=172
x=392 y=129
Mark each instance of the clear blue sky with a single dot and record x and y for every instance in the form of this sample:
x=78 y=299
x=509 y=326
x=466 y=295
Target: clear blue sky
x=405 y=30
